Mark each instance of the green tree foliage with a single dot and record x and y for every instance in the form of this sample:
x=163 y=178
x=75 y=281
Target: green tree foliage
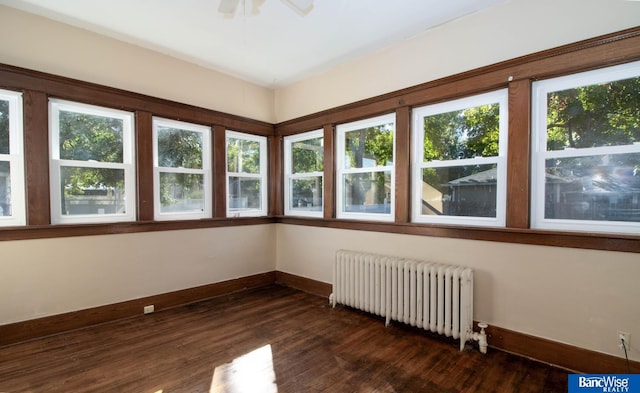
x=4 y=127
x=243 y=156
x=179 y=149
x=605 y=114
x=307 y=156
x=467 y=133
x=86 y=137
x=176 y=187
x=372 y=146
x=599 y=115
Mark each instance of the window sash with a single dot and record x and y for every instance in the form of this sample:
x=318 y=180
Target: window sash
x=261 y=176
x=290 y=176
x=342 y=171
x=15 y=159
x=540 y=153
x=419 y=114
x=56 y=164
x=205 y=171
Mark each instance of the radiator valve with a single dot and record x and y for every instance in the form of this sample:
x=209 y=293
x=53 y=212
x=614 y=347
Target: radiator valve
x=481 y=337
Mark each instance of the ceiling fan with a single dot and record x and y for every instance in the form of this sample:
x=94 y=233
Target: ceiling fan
x=229 y=7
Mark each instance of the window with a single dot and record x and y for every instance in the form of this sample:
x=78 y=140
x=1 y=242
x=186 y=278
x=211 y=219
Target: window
x=586 y=151
x=365 y=173
x=182 y=170
x=246 y=175
x=459 y=173
x=303 y=174
x=12 y=196
x=92 y=164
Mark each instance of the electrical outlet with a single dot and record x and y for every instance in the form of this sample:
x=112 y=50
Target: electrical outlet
x=149 y=309
x=626 y=337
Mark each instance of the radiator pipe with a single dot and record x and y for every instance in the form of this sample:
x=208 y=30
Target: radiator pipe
x=481 y=337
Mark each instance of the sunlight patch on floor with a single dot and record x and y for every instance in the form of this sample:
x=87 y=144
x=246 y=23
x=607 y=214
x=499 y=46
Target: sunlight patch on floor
x=252 y=372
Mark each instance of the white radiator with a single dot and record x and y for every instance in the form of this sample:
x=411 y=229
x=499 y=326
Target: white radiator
x=431 y=296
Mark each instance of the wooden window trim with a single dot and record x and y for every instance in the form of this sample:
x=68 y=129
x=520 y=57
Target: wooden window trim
x=38 y=87
x=516 y=74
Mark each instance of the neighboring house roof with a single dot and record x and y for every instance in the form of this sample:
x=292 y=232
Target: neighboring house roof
x=611 y=179
x=484 y=177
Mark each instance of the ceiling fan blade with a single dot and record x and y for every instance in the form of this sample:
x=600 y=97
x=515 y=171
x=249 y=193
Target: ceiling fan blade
x=303 y=7
x=228 y=6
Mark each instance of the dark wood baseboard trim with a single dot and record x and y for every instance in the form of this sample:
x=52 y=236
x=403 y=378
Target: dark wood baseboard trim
x=558 y=354
x=54 y=324
x=304 y=284
x=551 y=352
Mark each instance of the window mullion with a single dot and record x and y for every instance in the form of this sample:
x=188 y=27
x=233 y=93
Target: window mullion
x=305 y=174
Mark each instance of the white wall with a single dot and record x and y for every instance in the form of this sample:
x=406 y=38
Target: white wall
x=52 y=276
x=577 y=297
x=504 y=32
x=43 y=45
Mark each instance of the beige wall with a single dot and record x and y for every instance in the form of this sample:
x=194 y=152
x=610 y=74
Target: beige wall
x=52 y=276
x=577 y=297
x=506 y=31
x=41 y=44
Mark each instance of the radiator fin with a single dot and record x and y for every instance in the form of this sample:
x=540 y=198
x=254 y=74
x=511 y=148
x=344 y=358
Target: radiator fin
x=431 y=296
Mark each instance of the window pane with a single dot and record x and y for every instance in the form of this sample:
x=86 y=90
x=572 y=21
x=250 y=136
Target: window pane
x=4 y=127
x=243 y=156
x=181 y=192
x=606 y=114
x=307 y=156
x=86 y=137
x=601 y=188
x=369 y=147
x=306 y=194
x=5 y=189
x=468 y=191
x=92 y=191
x=467 y=133
x=244 y=193
x=179 y=148
x=367 y=192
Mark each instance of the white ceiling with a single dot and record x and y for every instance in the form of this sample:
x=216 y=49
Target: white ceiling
x=274 y=47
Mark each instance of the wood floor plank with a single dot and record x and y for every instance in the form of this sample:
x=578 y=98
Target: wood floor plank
x=272 y=339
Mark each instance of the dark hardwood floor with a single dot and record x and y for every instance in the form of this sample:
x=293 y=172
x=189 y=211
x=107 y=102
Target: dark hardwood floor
x=272 y=339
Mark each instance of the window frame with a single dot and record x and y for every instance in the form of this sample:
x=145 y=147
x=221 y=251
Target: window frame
x=262 y=176
x=417 y=135
x=128 y=164
x=340 y=170
x=289 y=176
x=539 y=152
x=205 y=131
x=15 y=158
